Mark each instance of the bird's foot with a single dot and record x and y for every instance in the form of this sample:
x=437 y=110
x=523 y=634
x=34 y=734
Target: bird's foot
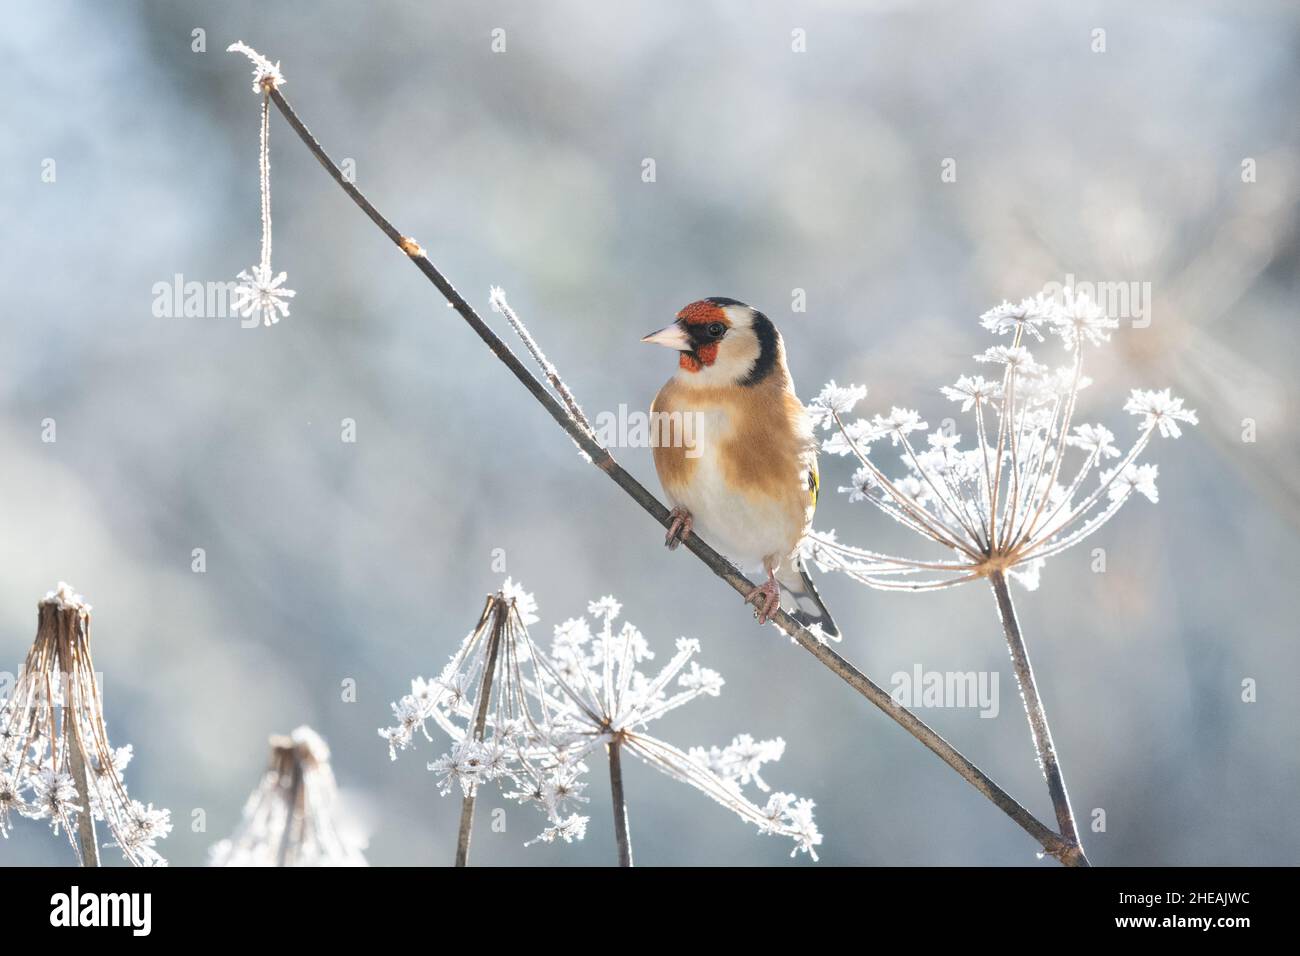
x=766 y=599
x=679 y=529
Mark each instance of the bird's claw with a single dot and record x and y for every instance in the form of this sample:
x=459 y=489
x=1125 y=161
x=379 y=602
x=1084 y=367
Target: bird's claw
x=679 y=529
x=768 y=600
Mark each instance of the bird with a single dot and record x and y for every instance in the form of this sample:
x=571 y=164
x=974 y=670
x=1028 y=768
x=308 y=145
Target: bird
x=746 y=482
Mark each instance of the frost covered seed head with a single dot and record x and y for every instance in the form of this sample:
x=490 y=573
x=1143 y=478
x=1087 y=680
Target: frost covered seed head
x=550 y=711
x=261 y=296
x=56 y=763
x=1019 y=491
x=491 y=703
x=293 y=817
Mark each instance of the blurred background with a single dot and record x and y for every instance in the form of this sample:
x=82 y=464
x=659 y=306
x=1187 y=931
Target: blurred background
x=776 y=170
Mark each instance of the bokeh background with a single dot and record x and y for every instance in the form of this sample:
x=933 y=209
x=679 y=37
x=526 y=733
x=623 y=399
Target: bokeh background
x=775 y=171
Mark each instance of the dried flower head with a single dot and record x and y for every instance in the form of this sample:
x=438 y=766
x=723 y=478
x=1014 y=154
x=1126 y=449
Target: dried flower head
x=539 y=716
x=56 y=763
x=491 y=701
x=293 y=818
x=1018 y=493
x=606 y=697
x=260 y=296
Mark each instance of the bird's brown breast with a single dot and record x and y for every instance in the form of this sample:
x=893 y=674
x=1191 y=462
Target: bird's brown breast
x=763 y=449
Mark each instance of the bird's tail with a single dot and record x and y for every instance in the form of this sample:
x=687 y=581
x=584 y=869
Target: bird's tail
x=808 y=607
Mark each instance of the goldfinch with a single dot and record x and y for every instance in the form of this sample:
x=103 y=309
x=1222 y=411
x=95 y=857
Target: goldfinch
x=747 y=483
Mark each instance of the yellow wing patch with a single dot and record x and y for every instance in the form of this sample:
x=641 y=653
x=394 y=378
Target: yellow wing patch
x=814 y=484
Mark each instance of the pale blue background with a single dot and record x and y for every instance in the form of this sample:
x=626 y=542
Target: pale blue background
x=775 y=171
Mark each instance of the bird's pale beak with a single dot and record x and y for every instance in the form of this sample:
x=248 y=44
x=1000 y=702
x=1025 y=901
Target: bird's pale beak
x=672 y=336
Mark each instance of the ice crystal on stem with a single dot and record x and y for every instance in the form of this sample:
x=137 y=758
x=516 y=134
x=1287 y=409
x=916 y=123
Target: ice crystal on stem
x=261 y=294
x=266 y=75
x=293 y=817
x=1018 y=492
x=56 y=763
x=549 y=711
x=497 y=299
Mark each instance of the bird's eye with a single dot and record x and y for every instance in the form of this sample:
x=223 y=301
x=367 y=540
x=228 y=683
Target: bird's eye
x=716 y=329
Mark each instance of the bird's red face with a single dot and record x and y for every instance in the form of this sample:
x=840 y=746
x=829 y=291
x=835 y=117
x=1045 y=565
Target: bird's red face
x=720 y=341
x=705 y=324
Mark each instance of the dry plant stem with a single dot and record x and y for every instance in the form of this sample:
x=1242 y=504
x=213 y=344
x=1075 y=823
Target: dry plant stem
x=295 y=803
x=615 y=747
x=85 y=820
x=1051 y=842
x=480 y=722
x=1038 y=726
x=65 y=619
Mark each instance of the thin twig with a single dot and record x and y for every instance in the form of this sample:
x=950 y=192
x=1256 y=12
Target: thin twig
x=1038 y=726
x=501 y=609
x=620 y=801
x=1051 y=842
x=548 y=368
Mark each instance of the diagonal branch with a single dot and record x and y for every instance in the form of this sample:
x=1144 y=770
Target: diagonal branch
x=1053 y=843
